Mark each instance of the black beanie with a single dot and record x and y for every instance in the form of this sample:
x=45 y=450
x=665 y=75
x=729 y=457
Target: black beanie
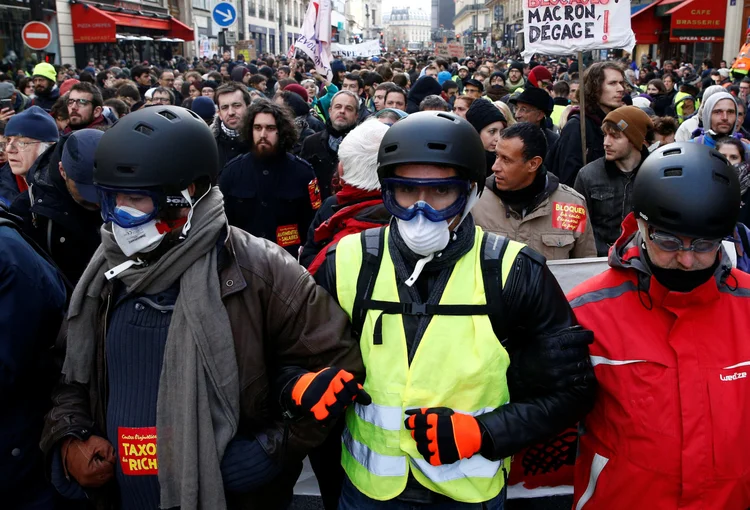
x=482 y=113
x=517 y=65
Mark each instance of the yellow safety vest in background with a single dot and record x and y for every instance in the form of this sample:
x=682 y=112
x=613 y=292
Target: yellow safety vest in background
x=459 y=364
x=557 y=112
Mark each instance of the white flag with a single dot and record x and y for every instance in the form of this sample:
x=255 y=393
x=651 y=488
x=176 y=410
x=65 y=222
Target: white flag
x=315 y=37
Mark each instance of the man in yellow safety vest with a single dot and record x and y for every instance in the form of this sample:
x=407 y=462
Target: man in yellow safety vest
x=470 y=347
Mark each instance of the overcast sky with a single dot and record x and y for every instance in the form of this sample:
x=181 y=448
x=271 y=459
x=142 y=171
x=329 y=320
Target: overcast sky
x=389 y=4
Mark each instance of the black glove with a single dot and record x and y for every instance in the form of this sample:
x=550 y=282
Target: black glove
x=552 y=362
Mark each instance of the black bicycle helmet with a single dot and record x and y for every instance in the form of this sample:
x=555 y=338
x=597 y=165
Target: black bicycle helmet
x=689 y=189
x=437 y=138
x=157 y=147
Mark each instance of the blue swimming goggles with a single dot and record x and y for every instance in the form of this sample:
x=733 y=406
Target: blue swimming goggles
x=442 y=189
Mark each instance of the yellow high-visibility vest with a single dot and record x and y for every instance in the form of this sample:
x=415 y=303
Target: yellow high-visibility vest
x=459 y=364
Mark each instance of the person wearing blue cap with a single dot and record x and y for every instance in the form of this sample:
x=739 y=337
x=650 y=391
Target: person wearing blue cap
x=61 y=207
x=205 y=108
x=28 y=134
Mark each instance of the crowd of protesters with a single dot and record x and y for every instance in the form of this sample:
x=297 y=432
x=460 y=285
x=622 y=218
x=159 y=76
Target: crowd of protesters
x=104 y=168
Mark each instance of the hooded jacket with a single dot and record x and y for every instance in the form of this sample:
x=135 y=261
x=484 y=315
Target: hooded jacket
x=423 y=87
x=686 y=129
x=669 y=427
x=707 y=135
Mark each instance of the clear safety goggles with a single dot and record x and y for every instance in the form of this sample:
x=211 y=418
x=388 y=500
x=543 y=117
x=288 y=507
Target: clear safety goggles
x=437 y=199
x=671 y=243
x=148 y=202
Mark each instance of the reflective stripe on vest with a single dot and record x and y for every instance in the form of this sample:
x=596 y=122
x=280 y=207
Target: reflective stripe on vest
x=459 y=364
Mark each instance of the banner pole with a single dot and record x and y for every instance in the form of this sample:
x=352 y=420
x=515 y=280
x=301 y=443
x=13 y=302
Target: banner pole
x=582 y=103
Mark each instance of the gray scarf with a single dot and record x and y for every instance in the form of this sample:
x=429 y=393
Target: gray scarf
x=197 y=410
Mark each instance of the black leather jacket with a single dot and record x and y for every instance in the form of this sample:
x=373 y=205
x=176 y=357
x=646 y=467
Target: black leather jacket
x=539 y=328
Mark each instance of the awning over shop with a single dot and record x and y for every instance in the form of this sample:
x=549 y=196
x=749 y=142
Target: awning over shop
x=94 y=25
x=635 y=10
x=646 y=26
x=697 y=21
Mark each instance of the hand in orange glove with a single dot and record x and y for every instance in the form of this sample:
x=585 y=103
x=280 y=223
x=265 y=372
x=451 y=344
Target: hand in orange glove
x=326 y=394
x=90 y=462
x=442 y=436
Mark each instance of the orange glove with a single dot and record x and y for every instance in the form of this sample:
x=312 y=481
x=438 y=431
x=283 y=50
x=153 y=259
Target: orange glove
x=326 y=394
x=442 y=436
x=90 y=462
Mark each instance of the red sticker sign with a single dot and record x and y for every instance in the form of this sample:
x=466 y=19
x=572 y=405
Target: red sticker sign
x=314 y=191
x=567 y=216
x=287 y=235
x=137 y=450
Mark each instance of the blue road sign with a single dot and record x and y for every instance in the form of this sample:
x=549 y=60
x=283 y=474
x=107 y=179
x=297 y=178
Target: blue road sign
x=224 y=14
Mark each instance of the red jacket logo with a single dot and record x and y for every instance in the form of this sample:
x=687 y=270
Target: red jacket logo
x=733 y=377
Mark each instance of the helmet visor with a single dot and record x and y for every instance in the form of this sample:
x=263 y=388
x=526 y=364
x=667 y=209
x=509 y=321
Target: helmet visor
x=437 y=199
x=121 y=205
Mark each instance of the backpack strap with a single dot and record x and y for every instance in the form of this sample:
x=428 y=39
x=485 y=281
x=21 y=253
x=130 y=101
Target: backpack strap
x=373 y=243
x=493 y=249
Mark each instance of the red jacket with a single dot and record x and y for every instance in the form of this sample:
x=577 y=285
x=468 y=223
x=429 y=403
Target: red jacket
x=671 y=424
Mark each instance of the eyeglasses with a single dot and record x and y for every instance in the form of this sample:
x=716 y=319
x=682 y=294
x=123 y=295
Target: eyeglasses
x=81 y=102
x=524 y=110
x=160 y=100
x=672 y=243
x=18 y=144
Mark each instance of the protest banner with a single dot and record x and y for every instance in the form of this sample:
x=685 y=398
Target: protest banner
x=315 y=37
x=564 y=27
x=449 y=50
x=365 y=49
x=246 y=48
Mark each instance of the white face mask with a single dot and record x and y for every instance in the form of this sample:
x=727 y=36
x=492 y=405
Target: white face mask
x=422 y=236
x=141 y=239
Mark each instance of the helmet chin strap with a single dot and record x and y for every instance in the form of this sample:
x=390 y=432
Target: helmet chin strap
x=421 y=263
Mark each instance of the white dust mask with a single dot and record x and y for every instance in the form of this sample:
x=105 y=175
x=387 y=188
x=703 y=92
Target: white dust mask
x=141 y=239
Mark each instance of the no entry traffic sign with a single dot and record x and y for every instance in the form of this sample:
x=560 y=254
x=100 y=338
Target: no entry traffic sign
x=36 y=35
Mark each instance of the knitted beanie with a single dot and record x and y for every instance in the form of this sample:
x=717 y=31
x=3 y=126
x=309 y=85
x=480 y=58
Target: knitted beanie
x=633 y=122
x=482 y=113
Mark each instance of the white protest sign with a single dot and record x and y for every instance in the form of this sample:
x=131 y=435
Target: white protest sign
x=365 y=49
x=564 y=27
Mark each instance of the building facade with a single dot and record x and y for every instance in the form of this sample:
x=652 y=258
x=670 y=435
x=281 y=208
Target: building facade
x=473 y=23
x=684 y=30
x=407 y=28
x=441 y=20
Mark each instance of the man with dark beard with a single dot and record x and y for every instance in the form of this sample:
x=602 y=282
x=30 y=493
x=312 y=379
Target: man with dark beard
x=321 y=149
x=46 y=91
x=268 y=192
